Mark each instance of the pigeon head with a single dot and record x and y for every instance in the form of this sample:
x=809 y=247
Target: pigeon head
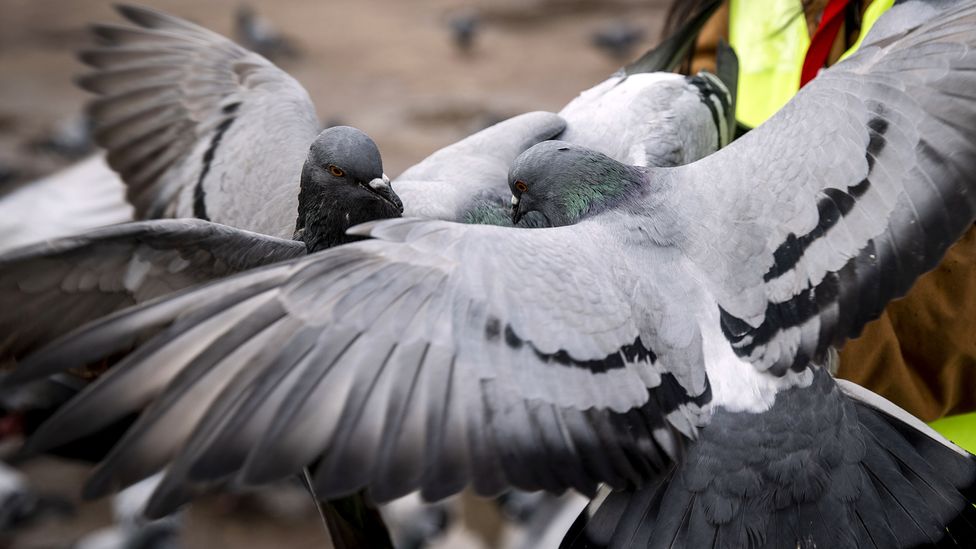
x=342 y=185
x=566 y=182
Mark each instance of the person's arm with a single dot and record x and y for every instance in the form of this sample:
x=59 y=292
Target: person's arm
x=921 y=353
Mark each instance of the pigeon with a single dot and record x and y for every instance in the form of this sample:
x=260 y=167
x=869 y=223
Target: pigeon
x=258 y=35
x=668 y=342
x=342 y=184
x=70 y=139
x=647 y=116
x=21 y=505
x=618 y=39
x=129 y=529
x=464 y=28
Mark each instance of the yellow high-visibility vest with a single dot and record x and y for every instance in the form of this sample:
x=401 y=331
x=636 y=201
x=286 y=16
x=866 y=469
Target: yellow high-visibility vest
x=771 y=40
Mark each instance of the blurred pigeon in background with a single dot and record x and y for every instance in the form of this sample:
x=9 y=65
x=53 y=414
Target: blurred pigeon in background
x=464 y=27
x=130 y=530
x=70 y=139
x=22 y=506
x=8 y=174
x=259 y=35
x=618 y=39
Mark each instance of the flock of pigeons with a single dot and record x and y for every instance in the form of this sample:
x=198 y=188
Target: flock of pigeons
x=604 y=296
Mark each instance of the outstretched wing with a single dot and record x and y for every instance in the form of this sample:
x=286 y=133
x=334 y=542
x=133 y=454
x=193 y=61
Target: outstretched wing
x=812 y=222
x=455 y=180
x=441 y=355
x=80 y=197
x=52 y=287
x=196 y=125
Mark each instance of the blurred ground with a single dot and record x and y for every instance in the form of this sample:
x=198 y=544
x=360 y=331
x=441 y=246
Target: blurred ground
x=387 y=67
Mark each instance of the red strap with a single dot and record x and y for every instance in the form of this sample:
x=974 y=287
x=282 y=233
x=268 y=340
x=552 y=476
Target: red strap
x=823 y=39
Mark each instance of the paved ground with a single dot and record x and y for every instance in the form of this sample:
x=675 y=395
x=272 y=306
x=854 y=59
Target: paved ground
x=386 y=67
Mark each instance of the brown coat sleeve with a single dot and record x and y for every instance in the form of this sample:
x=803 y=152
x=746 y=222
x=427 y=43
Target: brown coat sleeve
x=703 y=58
x=921 y=353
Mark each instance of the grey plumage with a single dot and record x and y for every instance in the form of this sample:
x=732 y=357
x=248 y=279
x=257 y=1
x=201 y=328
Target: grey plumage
x=652 y=118
x=343 y=185
x=249 y=124
x=81 y=197
x=53 y=287
x=438 y=354
x=64 y=283
x=196 y=125
x=449 y=183
x=465 y=181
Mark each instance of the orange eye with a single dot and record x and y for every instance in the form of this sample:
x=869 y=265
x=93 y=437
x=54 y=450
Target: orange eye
x=521 y=186
x=336 y=171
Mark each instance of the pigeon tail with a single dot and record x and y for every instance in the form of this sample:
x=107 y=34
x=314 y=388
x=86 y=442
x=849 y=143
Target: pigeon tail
x=821 y=468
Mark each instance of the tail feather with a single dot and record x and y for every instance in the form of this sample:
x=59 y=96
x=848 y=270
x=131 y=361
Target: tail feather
x=825 y=469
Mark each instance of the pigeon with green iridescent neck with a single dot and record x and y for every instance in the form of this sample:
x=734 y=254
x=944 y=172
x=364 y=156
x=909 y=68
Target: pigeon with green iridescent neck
x=668 y=338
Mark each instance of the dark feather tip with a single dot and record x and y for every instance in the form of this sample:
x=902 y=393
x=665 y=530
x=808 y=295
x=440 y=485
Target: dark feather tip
x=137 y=14
x=88 y=82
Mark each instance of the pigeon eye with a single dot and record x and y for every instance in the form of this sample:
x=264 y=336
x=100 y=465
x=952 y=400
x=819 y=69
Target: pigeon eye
x=521 y=186
x=336 y=171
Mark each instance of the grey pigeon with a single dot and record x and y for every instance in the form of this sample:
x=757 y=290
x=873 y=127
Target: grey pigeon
x=70 y=139
x=464 y=27
x=21 y=505
x=618 y=39
x=257 y=34
x=85 y=277
x=129 y=529
x=669 y=344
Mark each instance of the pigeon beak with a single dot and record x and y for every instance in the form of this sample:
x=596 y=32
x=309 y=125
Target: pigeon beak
x=381 y=186
x=516 y=213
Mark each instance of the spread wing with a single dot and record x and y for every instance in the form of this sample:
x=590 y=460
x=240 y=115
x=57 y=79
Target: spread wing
x=438 y=356
x=54 y=286
x=454 y=181
x=815 y=220
x=83 y=196
x=196 y=125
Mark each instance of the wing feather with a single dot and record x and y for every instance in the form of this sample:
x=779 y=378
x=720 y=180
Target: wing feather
x=866 y=179
x=182 y=109
x=65 y=283
x=405 y=375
